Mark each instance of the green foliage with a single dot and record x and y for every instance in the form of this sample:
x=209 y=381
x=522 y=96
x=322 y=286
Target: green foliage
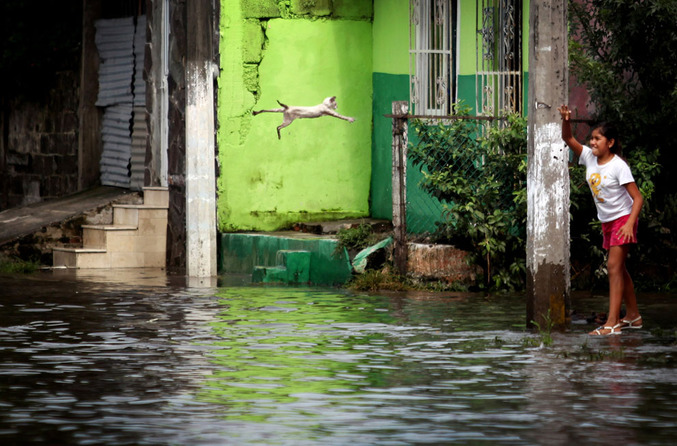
x=356 y=239
x=626 y=57
x=545 y=331
x=478 y=172
x=16 y=265
x=378 y=280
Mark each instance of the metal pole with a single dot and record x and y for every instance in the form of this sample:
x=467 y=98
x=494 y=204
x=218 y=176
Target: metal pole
x=548 y=275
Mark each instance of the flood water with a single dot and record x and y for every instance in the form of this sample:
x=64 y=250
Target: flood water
x=137 y=358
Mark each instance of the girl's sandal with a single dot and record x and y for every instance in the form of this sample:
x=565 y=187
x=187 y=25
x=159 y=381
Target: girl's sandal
x=615 y=330
x=631 y=324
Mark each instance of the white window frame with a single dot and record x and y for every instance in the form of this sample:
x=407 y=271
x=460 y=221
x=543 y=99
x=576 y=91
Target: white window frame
x=499 y=79
x=432 y=62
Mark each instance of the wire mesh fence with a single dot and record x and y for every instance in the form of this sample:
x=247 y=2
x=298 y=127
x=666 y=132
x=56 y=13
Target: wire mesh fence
x=462 y=161
x=458 y=179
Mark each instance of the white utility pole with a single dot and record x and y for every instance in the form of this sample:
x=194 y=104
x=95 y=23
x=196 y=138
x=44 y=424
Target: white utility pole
x=548 y=276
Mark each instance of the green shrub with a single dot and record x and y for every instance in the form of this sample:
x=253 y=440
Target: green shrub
x=479 y=176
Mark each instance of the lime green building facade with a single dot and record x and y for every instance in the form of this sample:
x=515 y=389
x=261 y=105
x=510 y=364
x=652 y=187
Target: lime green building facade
x=298 y=52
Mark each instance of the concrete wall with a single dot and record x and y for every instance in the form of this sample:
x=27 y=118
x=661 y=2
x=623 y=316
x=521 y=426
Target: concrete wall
x=298 y=52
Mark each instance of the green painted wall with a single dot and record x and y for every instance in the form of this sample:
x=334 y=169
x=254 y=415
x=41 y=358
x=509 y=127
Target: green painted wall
x=391 y=83
x=296 y=52
x=299 y=52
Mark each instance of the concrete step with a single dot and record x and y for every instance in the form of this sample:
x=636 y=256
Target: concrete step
x=85 y=258
x=294 y=268
x=333 y=227
x=136 y=239
x=156 y=196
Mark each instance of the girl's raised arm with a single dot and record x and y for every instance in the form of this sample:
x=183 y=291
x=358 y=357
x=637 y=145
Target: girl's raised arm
x=567 y=135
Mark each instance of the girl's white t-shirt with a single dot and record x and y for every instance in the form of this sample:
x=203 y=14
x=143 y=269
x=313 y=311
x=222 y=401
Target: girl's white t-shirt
x=606 y=184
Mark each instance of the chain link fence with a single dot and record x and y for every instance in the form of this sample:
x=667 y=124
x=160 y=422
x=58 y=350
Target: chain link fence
x=459 y=180
x=467 y=158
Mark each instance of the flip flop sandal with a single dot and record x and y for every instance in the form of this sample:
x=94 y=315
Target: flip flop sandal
x=630 y=324
x=615 y=330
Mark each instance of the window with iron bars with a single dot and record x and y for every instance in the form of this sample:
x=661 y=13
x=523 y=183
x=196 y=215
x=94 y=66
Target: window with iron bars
x=499 y=57
x=432 y=46
x=433 y=56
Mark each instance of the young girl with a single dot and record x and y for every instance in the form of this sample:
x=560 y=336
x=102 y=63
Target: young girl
x=618 y=203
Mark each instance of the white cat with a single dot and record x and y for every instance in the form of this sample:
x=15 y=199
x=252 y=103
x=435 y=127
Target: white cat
x=326 y=108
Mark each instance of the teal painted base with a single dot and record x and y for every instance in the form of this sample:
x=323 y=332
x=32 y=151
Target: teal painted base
x=295 y=269
x=284 y=259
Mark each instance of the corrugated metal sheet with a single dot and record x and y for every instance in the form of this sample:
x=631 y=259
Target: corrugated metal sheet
x=121 y=47
x=115 y=42
x=117 y=143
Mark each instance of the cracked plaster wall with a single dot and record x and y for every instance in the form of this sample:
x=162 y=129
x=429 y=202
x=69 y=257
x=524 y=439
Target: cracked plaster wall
x=298 y=52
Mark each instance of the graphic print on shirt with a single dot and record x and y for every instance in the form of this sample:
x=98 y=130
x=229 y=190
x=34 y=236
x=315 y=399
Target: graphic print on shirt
x=595 y=181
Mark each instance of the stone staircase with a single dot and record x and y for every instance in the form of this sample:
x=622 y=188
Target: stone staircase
x=136 y=239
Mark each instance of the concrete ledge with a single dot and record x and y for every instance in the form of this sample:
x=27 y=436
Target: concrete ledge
x=440 y=262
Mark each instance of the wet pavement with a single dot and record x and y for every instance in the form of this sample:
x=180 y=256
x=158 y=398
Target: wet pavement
x=138 y=357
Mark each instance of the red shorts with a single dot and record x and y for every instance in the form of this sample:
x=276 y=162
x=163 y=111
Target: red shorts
x=610 y=232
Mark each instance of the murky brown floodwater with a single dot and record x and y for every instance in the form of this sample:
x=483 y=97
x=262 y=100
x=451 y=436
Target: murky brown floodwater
x=137 y=359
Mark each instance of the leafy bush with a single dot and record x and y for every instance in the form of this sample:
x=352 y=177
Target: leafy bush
x=356 y=239
x=627 y=59
x=479 y=176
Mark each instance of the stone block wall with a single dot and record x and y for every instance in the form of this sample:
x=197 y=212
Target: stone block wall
x=39 y=148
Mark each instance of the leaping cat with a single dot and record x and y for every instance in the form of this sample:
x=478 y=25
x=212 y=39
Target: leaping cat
x=326 y=108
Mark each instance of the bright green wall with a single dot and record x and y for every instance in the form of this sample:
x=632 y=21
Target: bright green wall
x=321 y=168
x=391 y=36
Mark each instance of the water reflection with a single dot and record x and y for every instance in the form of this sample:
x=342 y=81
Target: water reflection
x=150 y=359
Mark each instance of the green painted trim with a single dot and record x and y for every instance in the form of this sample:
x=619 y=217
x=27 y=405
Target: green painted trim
x=466 y=91
x=387 y=88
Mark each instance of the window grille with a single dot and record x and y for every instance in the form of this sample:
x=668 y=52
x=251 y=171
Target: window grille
x=431 y=56
x=499 y=57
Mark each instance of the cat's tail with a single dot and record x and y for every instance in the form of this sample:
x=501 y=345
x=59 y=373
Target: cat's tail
x=283 y=105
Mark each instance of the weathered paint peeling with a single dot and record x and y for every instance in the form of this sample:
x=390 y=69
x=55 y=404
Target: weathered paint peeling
x=200 y=170
x=260 y=60
x=547 y=204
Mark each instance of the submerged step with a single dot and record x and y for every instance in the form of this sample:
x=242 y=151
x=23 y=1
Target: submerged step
x=240 y=253
x=294 y=268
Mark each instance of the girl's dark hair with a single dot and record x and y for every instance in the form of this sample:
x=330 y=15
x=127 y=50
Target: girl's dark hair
x=609 y=131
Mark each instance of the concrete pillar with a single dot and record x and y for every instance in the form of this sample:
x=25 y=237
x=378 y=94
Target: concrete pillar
x=548 y=280
x=200 y=142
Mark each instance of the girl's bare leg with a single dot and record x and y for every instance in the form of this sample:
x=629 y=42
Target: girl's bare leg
x=630 y=299
x=616 y=270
